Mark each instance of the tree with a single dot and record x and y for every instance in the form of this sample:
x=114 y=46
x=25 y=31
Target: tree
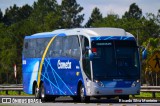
x=158 y=17
x=152 y=26
x=52 y=21
x=95 y=17
x=134 y=12
x=42 y=8
x=11 y=15
x=7 y=52
x=25 y=11
x=1 y=16
x=150 y=74
x=112 y=20
x=70 y=11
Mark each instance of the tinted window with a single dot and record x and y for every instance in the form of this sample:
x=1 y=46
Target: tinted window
x=34 y=47
x=55 y=49
x=75 y=50
x=29 y=49
x=71 y=47
x=41 y=46
x=61 y=47
x=115 y=59
x=67 y=44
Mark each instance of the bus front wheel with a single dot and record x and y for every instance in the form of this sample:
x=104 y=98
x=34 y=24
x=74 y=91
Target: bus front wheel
x=124 y=97
x=83 y=98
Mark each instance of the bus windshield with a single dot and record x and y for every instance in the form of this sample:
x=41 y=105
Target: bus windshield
x=115 y=60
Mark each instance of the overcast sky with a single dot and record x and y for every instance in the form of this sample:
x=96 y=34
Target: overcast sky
x=106 y=6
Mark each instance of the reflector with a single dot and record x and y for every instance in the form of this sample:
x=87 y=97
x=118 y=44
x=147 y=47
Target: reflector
x=94 y=50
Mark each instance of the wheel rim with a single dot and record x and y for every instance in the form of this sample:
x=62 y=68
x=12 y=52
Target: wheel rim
x=36 y=92
x=82 y=93
x=42 y=92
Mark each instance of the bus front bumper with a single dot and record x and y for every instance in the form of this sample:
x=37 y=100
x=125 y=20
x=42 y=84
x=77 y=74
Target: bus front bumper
x=105 y=91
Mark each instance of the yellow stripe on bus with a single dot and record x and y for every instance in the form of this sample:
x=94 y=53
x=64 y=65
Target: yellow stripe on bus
x=41 y=64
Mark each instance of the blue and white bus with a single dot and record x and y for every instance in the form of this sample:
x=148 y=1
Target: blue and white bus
x=81 y=63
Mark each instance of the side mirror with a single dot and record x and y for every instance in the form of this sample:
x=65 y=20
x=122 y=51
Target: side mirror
x=91 y=54
x=144 y=54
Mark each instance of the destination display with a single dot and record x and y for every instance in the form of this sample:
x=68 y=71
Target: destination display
x=104 y=44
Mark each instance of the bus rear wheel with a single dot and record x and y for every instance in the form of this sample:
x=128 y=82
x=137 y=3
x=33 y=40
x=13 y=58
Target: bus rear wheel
x=42 y=93
x=82 y=96
x=36 y=92
x=44 y=97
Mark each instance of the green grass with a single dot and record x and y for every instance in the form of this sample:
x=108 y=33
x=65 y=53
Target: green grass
x=14 y=93
x=158 y=95
x=142 y=94
x=146 y=95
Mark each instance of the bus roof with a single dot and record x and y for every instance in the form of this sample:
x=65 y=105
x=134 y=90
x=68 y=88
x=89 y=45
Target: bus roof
x=90 y=32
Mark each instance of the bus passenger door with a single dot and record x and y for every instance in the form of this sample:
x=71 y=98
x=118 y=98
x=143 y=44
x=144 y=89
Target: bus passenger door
x=85 y=57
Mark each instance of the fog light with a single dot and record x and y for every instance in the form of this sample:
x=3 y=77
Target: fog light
x=135 y=83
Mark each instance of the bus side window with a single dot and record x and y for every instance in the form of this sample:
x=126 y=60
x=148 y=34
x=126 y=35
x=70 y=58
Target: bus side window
x=41 y=46
x=25 y=48
x=75 y=50
x=55 y=49
x=67 y=44
x=32 y=48
x=26 y=45
x=58 y=46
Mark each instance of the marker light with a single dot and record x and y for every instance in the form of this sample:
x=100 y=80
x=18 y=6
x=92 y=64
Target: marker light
x=94 y=50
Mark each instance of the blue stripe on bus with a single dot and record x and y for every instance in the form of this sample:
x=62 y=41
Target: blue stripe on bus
x=43 y=36
x=53 y=84
x=49 y=75
x=53 y=71
x=113 y=38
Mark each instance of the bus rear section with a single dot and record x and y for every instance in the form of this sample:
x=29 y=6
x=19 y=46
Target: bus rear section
x=115 y=68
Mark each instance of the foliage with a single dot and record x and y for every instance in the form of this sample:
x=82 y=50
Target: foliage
x=71 y=17
x=96 y=16
x=47 y=15
x=41 y=10
x=134 y=12
x=1 y=16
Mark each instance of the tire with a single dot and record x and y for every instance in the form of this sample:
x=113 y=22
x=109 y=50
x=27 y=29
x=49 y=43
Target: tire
x=42 y=93
x=82 y=96
x=124 y=97
x=98 y=98
x=75 y=99
x=36 y=92
x=44 y=97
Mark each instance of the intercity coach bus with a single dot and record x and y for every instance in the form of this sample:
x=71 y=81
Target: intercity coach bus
x=81 y=63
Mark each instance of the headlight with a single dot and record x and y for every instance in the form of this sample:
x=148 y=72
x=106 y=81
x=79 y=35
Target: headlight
x=135 y=83
x=99 y=83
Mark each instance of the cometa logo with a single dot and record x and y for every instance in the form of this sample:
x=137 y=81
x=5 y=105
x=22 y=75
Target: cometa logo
x=64 y=65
